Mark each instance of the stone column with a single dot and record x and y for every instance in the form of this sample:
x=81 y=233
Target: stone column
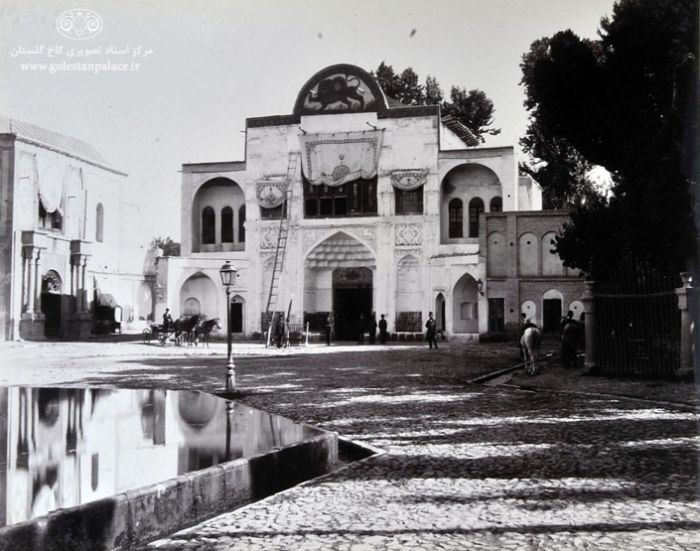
x=83 y=291
x=685 y=294
x=37 y=283
x=588 y=309
x=30 y=277
x=25 y=283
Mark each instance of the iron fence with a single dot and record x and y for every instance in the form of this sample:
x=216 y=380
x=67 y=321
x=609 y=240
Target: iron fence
x=637 y=322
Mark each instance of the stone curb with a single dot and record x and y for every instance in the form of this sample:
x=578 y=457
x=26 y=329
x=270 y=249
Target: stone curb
x=685 y=406
x=128 y=519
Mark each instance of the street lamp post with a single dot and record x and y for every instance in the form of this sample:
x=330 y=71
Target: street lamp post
x=228 y=274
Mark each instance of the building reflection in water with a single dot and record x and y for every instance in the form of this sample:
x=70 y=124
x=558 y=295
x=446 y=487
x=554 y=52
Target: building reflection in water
x=64 y=447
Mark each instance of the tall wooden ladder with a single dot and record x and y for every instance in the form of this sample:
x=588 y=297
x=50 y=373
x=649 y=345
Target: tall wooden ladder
x=281 y=249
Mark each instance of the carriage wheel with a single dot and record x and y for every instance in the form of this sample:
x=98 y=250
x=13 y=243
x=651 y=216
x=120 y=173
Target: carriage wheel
x=146 y=335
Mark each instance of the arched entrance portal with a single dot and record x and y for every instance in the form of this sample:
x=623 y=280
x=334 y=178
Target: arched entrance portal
x=51 y=303
x=338 y=280
x=352 y=300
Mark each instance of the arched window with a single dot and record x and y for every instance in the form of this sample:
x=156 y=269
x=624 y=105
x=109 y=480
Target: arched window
x=241 y=224
x=455 y=218
x=476 y=207
x=208 y=226
x=496 y=204
x=227 y=225
x=99 y=223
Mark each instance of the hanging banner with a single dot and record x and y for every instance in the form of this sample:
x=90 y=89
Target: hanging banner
x=51 y=179
x=408 y=180
x=270 y=193
x=334 y=159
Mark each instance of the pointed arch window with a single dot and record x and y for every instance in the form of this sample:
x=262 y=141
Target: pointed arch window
x=208 y=226
x=241 y=224
x=99 y=223
x=227 y=225
x=476 y=208
x=455 y=219
x=496 y=204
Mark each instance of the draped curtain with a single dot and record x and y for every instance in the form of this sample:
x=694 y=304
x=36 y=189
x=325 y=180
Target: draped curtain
x=51 y=182
x=335 y=159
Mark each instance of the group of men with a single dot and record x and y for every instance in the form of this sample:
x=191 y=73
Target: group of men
x=363 y=326
x=570 y=334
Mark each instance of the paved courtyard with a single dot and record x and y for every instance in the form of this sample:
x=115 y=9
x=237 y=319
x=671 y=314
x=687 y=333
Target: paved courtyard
x=461 y=466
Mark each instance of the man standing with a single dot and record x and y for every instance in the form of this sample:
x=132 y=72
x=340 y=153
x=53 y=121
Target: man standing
x=329 y=329
x=361 y=330
x=569 y=340
x=432 y=328
x=382 y=330
x=373 y=329
x=167 y=320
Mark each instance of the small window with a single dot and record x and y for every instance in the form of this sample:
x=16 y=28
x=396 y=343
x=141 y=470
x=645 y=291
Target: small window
x=99 y=223
x=241 y=224
x=409 y=202
x=455 y=219
x=496 y=205
x=476 y=208
x=227 y=225
x=208 y=226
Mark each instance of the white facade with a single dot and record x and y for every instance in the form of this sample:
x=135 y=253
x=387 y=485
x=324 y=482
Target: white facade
x=402 y=265
x=68 y=237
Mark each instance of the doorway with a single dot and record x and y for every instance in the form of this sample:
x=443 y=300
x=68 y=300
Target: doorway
x=352 y=299
x=51 y=303
x=440 y=312
x=236 y=317
x=551 y=313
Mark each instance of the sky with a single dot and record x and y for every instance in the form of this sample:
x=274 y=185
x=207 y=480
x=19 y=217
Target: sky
x=204 y=66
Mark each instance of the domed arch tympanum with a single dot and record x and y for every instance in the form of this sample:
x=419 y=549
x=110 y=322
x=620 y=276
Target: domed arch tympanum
x=341 y=88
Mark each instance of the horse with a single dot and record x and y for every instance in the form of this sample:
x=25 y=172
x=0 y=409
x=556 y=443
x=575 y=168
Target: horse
x=186 y=327
x=204 y=328
x=530 y=342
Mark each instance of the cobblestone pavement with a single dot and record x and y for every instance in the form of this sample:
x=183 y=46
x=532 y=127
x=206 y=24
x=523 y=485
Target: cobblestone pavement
x=472 y=468
x=465 y=467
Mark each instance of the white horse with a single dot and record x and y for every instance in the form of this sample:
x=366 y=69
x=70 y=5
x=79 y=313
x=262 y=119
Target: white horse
x=530 y=342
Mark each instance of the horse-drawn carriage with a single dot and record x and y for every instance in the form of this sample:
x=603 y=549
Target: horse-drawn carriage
x=190 y=330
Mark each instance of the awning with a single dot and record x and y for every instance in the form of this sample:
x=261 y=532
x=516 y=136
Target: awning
x=408 y=180
x=51 y=180
x=105 y=299
x=334 y=159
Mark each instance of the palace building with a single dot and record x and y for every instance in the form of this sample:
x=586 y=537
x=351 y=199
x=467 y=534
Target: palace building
x=71 y=260
x=387 y=214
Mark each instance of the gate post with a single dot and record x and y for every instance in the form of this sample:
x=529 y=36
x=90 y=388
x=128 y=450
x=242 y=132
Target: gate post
x=591 y=353
x=684 y=294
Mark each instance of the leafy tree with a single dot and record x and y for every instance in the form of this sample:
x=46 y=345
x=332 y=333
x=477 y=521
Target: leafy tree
x=169 y=247
x=473 y=109
x=620 y=102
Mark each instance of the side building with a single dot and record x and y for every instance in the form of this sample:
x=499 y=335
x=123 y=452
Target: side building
x=71 y=260
x=524 y=275
x=388 y=216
